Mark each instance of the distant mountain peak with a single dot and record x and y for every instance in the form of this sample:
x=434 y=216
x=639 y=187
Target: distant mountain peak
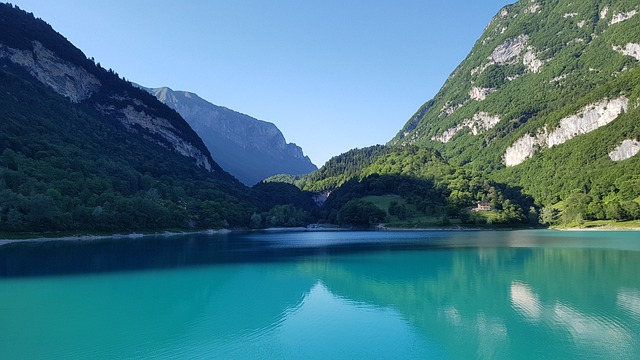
x=248 y=148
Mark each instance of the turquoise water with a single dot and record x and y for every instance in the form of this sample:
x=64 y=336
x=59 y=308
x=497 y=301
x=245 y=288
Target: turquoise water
x=325 y=295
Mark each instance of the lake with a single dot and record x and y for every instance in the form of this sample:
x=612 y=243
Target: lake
x=531 y=294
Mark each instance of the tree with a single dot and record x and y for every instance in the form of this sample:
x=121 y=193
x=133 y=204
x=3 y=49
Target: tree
x=576 y=207
x=595 y=211
x=256 y=221
x=14 y=219
x=632 y=210
x=360 y=212
x=398 y=210
x=8 y=158
x=614 y=211
x=548 y=215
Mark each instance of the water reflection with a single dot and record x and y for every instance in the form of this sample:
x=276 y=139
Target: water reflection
x=525 y=301
x=629 y=301
x=598 y=335
x=505 y=302
x=384 y=297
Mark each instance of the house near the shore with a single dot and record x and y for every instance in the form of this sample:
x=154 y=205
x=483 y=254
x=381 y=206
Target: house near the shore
x=483 y=206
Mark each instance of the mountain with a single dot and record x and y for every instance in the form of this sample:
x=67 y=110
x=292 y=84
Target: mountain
x=83 y=150
x=31 y=48
x=551 y=70
x=545 y=107
x=547 y=100
x=249 y=149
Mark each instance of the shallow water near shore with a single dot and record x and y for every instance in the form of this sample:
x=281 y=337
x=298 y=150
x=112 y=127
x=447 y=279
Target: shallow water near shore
x=317 y=295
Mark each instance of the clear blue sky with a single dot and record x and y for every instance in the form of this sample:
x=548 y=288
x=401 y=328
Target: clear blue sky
x=331 y=74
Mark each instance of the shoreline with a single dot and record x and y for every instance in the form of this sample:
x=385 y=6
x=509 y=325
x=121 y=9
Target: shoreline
x=90 y=237
x=112 y=236
x=598 y=228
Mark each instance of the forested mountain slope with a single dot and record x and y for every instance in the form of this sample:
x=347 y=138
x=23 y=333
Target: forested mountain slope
x=31 y=49
x=83 y=150
x=546 y=102
x=537 y=63
x=248 y=148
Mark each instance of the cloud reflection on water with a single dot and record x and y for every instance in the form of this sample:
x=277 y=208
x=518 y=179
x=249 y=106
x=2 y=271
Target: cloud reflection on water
x=525 y=301
x=599 y=333
x=629 y=301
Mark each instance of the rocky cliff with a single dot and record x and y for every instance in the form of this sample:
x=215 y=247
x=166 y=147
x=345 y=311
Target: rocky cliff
x=249 y=149
x=588 y=119
x=30 y=46
x=65 y=78
x=627 y=149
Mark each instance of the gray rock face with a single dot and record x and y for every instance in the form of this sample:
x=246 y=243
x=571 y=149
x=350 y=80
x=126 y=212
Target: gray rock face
x=620 y=17
x=630 y=49
x=588 y=119
x=130 y=117
x=505 y=53
x=249 y=149
x=626 y=150
x=477 y=124
x=508 y=50
x=66 y=79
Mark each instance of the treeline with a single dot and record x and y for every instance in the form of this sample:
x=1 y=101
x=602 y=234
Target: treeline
x=35 y=196
x=78 y=194
x=447 y=202
x=580 y=207
x=340 y=169
x=566 y=186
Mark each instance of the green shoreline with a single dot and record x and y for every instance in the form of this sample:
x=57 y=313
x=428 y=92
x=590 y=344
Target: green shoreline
x=603 y=225
x=42 y=237
x=91 y=237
